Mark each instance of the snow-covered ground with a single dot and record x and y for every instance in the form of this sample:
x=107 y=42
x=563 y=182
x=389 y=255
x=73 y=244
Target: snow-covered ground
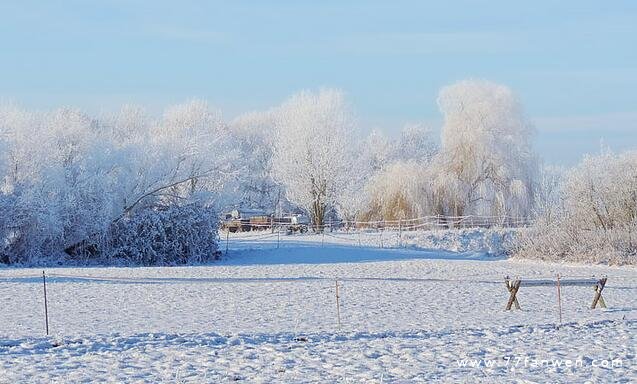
x=480 y=241
x=267 y=313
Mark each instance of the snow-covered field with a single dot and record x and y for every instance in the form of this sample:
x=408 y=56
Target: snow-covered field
x=267 y=313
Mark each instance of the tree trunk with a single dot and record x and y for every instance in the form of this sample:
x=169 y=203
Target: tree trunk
x=319 y=192
x=318 y=215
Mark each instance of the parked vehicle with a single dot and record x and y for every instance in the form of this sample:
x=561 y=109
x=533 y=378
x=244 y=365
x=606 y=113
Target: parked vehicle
x=244 y=220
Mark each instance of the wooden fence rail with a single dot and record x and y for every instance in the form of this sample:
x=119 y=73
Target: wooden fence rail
x=514 y=285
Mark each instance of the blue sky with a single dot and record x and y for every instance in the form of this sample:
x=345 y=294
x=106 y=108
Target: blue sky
x=572 y=63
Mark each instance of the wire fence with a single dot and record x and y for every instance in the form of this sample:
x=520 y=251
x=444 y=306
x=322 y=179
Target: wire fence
x=374 y=233
x=385 y=235
x=346 y=292
x=409 y=224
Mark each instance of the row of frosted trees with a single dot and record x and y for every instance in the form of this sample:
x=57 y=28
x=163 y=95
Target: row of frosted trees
x=78 y=186
x=484 y=165
x=132 y=188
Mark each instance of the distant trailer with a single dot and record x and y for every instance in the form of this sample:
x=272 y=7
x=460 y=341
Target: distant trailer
x=234 y=225
x=257 y=223
x=244 y=220
x=292 y=223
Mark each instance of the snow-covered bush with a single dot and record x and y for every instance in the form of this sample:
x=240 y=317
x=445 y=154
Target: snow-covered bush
x=595 y=218
x=499 y=242
x=177 y=234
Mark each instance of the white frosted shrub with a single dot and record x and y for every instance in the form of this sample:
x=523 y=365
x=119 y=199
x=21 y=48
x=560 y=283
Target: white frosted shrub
x=166 y=236
x=595 y=218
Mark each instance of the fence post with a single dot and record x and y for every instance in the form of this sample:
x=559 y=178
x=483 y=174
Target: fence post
x=559 y=297
x=227 y=239
x=338 y=306
x=278 y=236
x=46 y=306
x=323 y=236
x=400 y=233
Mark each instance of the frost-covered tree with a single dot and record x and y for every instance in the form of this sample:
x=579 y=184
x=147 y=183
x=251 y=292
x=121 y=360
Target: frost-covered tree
x=486 y=164
x=43 y=181
x=195 y=142
x=395 y=192
x=415 y=144
x=176 y=160
x=377 y=150
x=67 y=177
x=597 y=214
x=548 y=197
x=313 y=150
x=395 y=184
x=253 y=135
x=352 y=199
x=602 y=191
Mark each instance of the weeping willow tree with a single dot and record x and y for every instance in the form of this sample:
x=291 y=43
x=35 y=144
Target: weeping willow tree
x=394 y=193
x=487 y=165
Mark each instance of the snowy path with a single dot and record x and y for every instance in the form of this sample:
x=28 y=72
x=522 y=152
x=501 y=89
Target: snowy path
x=406 y=315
